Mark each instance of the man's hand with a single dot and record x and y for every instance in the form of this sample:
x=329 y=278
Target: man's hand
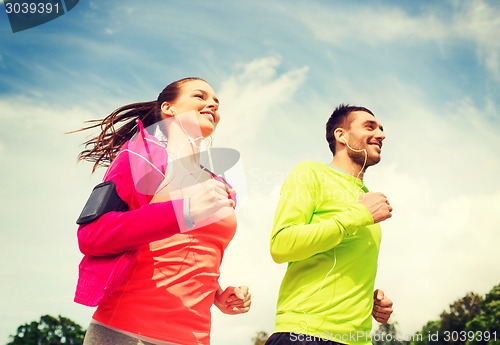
x=233 y=300
x=382 y=307
x=378 y=205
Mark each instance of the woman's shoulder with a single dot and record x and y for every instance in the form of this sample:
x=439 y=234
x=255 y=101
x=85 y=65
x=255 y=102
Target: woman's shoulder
x=138 y=168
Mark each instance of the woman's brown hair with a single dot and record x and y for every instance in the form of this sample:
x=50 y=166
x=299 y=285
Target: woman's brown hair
x=119 y=126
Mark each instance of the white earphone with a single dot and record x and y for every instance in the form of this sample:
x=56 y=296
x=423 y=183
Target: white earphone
x=345 y=141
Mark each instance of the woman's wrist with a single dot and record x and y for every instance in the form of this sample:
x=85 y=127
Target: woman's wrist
x=187 y=214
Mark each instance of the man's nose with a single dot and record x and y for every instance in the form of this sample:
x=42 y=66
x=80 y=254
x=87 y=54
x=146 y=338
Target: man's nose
x=380 y=134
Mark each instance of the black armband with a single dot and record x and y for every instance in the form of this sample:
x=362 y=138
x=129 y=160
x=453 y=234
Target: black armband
x=103 y=199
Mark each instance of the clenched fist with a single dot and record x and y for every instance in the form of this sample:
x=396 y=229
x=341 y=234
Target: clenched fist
x=378 y=205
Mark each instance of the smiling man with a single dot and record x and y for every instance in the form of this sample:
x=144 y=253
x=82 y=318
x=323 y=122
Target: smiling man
x=327 y=229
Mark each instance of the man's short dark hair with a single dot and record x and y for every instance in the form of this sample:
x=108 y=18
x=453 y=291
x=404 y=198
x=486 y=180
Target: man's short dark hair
x=340 y=118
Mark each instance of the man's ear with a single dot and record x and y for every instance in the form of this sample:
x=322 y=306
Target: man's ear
x=338 y=133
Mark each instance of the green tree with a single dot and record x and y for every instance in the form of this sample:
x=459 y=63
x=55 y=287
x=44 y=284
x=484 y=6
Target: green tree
x=484 y=325
x=430 y=334
x=461 y=312
x=260 y=338
x=446 y=330
x=470 y=320
x=49 y=331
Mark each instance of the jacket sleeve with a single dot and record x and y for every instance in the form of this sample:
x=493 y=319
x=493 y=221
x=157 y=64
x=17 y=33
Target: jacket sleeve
x=294 y=237
x=117 y=232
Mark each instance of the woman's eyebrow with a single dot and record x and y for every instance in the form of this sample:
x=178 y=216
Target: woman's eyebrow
x=206 y=93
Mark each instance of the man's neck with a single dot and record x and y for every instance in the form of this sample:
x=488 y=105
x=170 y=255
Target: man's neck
x=345 y=164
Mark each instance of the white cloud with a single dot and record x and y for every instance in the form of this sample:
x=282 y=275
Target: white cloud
x=252 y=96
x=371 y=26
x=478 y=21
x=464 y=21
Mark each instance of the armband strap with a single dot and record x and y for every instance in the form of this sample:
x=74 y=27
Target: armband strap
x=187 y=214
x=103 y=199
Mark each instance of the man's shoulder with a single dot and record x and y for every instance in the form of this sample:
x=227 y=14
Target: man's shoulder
x=309 y=165
x=307 y=171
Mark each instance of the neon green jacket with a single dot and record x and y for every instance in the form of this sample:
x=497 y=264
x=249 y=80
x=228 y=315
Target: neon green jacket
x=331 y=245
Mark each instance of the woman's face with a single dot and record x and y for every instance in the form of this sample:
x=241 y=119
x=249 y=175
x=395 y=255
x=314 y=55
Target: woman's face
x=195 y=96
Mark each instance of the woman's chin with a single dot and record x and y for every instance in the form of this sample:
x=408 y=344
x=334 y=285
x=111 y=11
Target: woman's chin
x=207 y=131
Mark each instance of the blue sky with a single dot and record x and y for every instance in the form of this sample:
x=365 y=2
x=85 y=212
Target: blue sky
x=430 y=71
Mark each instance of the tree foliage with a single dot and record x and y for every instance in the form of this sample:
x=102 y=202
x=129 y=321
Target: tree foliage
x=49 y=331
x=487 y=321
x=470 y=320
x=461 y=312
x=423 y=337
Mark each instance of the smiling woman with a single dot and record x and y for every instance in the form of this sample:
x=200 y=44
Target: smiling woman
x=153 y=269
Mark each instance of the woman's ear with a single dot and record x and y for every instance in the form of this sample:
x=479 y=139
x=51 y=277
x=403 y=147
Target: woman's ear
x=166 y=110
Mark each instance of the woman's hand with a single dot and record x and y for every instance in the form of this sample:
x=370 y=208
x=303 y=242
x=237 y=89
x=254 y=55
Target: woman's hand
x=208 y=198
x=233 y=300
x=209 y=202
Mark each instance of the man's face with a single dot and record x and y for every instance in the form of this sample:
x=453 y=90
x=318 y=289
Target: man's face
x=365 y=133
